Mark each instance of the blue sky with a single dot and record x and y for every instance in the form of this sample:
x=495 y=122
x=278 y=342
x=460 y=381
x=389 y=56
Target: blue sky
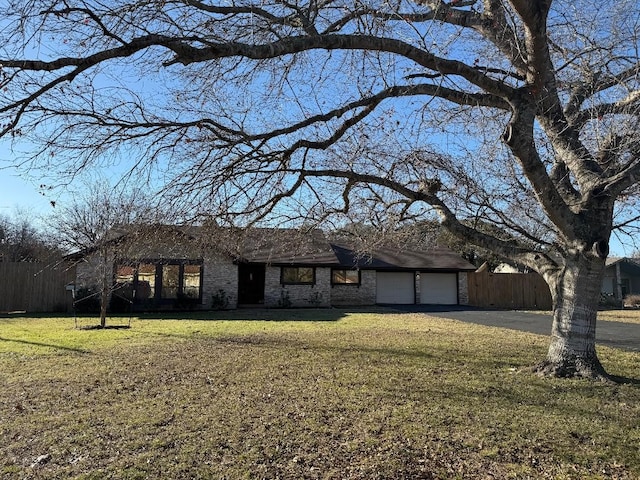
x=20 y=193
x=16 y=192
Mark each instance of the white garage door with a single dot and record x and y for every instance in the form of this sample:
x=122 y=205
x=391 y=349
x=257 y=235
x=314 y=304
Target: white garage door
x=439 y=288
x=395 y=287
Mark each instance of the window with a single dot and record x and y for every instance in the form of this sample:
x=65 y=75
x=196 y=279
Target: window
x=625 y=286
x=298 y=276
x=191 y=281
x=160 y=281
x=345 y=277
x=125 y=276
x=170 y=281
x=146 y=281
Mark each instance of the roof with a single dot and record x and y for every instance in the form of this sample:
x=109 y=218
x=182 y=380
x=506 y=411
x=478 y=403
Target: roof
x=287 y=246
x=434 y=259
x=280 y=246
x=613 y=260
x=629 y=265
x=128 y=233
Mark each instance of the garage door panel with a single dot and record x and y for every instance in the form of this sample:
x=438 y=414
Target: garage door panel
x=439 y=288
x=395 y=288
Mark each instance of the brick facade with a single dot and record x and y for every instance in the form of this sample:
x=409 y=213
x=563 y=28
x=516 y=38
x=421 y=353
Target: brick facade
x=278 y=295
x=363 y=294
x=463 y=288
x=220 y=274
x=219 y=283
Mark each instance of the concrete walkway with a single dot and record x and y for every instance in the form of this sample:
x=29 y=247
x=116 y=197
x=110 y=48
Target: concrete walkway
x=612 y=334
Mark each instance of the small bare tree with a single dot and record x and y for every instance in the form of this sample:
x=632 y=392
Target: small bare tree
x=522 y=114
x=91 y=227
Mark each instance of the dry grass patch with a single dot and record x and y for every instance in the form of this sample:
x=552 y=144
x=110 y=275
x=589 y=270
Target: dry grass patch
x=625 y=316
x=355 y=396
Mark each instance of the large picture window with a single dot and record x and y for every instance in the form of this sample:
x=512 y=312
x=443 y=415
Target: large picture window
x=191 y=281
x=345 y=277
x=160 y=281
x=146 y=287
x=298 y=276
x=170 y=281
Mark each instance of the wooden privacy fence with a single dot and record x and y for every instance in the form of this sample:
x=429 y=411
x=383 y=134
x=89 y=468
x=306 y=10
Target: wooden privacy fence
x=35 y=287
x=509 y=290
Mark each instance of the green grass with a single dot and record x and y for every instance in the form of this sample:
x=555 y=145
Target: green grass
x=304 y=394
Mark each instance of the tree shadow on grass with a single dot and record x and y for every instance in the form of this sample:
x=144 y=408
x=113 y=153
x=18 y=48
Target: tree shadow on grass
x=617 y=379
x=40 y=344
x=252 y=314
x=106 y=327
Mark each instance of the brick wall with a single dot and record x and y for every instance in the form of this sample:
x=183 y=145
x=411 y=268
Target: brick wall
x=463 y=288
x=278 y=295
x=363 y=294
x=90 y=270
x=220 y=274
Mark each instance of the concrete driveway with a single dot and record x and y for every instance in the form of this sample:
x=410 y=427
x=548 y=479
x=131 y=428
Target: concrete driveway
x=612 y=334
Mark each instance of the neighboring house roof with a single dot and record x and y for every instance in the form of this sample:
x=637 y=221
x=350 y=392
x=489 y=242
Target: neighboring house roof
x=629 y=265
x=434 y=259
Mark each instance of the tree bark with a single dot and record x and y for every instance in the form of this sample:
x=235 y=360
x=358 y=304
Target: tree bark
x=575 y=291
x=105 y=287
x=104 y=300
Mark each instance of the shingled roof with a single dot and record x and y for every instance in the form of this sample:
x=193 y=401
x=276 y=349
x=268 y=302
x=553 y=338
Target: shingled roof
x=435 y=259
x=283 y=246
x=279 y=246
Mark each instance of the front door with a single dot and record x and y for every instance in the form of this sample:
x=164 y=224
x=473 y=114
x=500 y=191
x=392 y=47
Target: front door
x=250 y=284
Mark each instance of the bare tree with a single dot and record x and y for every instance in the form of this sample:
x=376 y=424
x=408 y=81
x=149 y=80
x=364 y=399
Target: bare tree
x=91 y=227
x=522 y=114
x=22 y=241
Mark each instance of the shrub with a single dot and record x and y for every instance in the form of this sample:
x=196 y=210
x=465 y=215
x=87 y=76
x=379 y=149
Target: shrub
x=219 y=300
x=284 y=301
x=87 y=300
x=120 y=303
x=315 y=299
x=186 y=302
x=632 y=300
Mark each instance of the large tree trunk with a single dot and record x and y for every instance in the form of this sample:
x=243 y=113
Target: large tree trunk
x=576 y=293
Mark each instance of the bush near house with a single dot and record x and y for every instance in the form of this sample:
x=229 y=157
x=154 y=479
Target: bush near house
x=87 y=300
x=632 y=301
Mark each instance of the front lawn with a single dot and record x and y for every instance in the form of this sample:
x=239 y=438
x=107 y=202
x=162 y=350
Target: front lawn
x=329 y=395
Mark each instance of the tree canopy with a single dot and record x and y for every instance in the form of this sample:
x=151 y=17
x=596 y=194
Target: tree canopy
x=22 y=241
x=520 y=114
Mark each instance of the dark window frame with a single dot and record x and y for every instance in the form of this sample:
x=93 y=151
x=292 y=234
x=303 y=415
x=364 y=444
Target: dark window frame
x=357 y=284
x=298 y=267
x=158 y=264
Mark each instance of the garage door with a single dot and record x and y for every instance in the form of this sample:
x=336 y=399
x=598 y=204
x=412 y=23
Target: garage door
x=395 y=287
x=439 y=288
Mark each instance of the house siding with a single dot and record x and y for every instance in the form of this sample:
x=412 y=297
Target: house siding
x=90 y=270
x=609 y=283
x=220 y=274
x=463 y=288
x=278 y=295
x=363 y=294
